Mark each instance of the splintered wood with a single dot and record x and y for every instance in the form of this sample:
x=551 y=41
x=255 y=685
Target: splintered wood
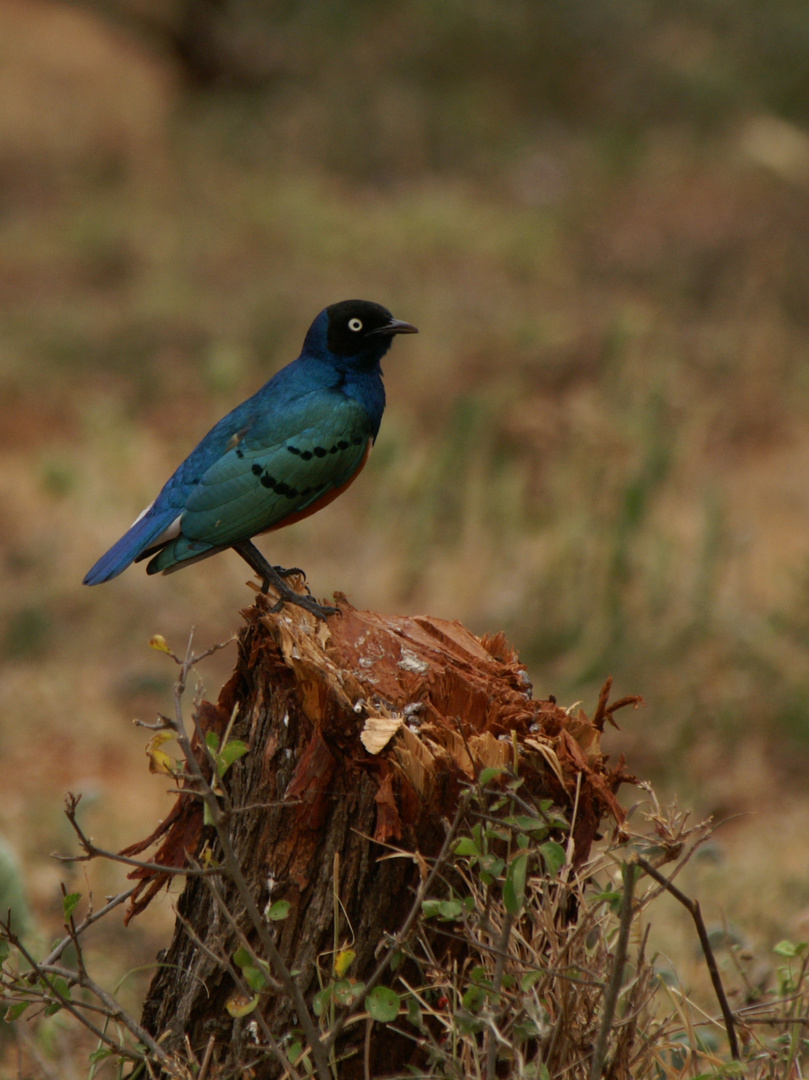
x=363 y=733
x=438 y=704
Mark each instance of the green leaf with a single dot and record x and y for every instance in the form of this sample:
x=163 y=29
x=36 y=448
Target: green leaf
x=489 y=774
x=492 y=864
x=346 y=992
x=70 y=903
x=231 y=752
x=414 y=1015
x=14 y=1012
x=212 y=740
x=322 y=1000
x=609 y=896
x=474 y=999
x=100 y=1054
x=466 y=846
x=528 y=823
x=450 y=910
x=294 y=1052
x=430 y=908
x=243 y=958
x=383 y=1004
x=553 y=855
x=789 y=948
x=514 y=887
x=279 y=910
x=525 y=1030
x=255 y=978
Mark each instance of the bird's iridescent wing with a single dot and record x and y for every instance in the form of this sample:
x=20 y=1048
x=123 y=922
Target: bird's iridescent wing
x=263 y=481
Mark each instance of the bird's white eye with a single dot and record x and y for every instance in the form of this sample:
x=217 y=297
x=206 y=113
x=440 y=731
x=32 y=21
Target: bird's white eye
x=355 y=324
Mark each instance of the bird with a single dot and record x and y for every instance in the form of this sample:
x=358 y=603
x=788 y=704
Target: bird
x=281 y=455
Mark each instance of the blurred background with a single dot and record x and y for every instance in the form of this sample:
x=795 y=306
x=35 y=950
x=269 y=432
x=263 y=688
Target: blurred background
x=598 y=216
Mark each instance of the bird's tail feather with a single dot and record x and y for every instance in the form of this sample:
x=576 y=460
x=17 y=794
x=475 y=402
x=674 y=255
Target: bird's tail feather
x=181 y=552
x=144 y=534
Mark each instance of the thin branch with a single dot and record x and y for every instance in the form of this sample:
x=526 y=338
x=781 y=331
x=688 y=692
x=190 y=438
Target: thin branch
x=76 y=1009
x=614 y=985
x=499 y=968
x=87 y=922
x=118 y=1013
x=693 y=908
x=206 y=1061
x=92 y=851
x=275 y=985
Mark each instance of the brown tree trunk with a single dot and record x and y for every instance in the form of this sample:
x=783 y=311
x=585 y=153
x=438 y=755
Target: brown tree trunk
x=362 y=733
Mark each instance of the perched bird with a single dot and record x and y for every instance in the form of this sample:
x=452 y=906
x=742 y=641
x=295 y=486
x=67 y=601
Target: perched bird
x=287 y=451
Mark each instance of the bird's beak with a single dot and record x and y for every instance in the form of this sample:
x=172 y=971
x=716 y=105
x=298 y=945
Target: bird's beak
x=395 y=326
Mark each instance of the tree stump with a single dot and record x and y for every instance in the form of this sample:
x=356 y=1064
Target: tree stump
x=363 y=733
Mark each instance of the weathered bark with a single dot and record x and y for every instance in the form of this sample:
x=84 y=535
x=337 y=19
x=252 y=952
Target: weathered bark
x=363 y=734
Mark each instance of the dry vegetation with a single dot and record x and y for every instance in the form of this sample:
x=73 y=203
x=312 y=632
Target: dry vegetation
x=599 y=442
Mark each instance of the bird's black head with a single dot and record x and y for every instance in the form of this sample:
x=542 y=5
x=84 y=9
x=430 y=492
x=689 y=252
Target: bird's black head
x=359 y=327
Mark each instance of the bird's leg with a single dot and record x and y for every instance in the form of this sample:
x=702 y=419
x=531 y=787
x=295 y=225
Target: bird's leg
x=272 y=575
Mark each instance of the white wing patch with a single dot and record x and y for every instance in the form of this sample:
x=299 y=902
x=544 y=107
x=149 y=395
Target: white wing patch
x=168 y=534
x=142 y=514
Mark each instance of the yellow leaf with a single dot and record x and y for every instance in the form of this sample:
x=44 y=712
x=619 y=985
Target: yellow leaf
x=159 y=642
x=343 y=961
x=206 y=857
x=239 y=1005
x=159 y=760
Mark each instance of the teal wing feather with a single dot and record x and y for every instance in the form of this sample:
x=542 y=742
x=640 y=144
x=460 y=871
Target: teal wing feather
x=271 y=475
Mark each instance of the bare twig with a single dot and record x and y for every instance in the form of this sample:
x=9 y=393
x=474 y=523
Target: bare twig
x=115 y=1012
x=497 y=982
x=206 y=1061
x=89 y=919
x=111 y=1009
x=92 y=851
x=614 y=984
x=693 y=908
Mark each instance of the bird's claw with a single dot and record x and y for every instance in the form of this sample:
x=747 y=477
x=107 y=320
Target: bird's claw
x=308 y=603
x=294 y=571
x=273 y=576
